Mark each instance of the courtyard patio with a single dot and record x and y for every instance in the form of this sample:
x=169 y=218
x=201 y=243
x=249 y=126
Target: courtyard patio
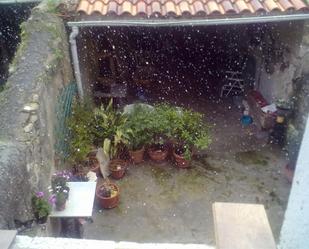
x=159 y=202
x=164 y=204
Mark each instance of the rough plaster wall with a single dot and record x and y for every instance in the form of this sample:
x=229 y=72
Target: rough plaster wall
x=40 y=69
x=295 y=228
x=301 y=97
x=279 y=84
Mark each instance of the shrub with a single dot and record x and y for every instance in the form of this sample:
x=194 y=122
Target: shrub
x=40 y=205
x=81 y=127
x=110 y=130
x=138 y=126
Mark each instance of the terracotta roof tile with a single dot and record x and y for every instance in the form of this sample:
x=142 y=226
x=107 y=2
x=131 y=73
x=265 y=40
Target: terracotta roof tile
x=141 y=8
x=228 y=7
x=257 y=6
x=299 y=4
x=242 y=6
x=212 y=8
x=162 y=8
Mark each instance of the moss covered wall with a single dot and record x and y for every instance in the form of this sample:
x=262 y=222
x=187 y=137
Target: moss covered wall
x=41 y=67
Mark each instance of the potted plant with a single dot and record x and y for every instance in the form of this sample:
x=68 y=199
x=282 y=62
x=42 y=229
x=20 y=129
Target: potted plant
x=60 y=200
x=158 y=150
x=60 y=190
x=113 y=135
x=191 y=132
x=112 y=149
x=138 y=134
x=117 y=168
x=94 y=163
x=159 y=128
x=108 y=192
x=81 y=126
x=40 y=206
x=108 y=195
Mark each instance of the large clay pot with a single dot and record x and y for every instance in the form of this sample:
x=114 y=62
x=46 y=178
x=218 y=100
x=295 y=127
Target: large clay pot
x=137 y=156
x=108 y=202
x=158 y=155
x=180 y=160
x=117 y=168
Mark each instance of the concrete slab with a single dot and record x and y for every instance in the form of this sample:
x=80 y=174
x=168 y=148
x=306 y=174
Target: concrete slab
x=25 y=242
x=6 y=238
x=163 y=204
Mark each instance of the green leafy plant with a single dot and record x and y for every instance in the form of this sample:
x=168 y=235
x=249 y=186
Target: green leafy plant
x=40 y=206
x=137 y=127
x=188 y=130
x=81 y=125
x=162 y=123
x=110 y=130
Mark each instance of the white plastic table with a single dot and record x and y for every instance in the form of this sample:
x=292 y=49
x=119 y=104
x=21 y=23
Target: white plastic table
x=79 y=205
x=80 y=202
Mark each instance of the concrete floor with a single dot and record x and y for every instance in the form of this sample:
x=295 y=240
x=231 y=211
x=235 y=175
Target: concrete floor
x=160 y=203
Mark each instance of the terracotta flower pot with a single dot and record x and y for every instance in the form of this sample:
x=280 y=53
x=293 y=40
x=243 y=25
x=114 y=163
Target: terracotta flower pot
x=158 y=154
x=94 y=165
x=137 y=156
x=108 y=202
x=60 y=207
x=180 y=160
x=117 y=168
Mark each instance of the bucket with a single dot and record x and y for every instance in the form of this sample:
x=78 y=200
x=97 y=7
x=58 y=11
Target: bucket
x=246 y=120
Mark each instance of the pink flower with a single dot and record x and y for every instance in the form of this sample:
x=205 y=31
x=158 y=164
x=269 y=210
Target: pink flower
x=52 y=199
x=39 y=194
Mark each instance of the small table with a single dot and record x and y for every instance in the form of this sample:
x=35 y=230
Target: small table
x=79 y=204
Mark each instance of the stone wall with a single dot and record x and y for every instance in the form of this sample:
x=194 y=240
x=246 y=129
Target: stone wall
x=41 y=67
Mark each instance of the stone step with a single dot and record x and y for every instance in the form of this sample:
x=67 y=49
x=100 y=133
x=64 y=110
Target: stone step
x=242 y=226
x=6 y=238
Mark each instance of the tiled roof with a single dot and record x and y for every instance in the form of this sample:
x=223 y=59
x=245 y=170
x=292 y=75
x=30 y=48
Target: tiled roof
x=188 y=8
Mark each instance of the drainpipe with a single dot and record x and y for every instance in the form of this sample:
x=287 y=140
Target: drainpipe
x=77 y=73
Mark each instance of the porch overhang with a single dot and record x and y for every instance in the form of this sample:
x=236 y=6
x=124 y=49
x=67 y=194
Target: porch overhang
x=189 y=22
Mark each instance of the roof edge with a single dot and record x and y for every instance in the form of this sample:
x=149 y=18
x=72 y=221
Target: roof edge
x=189 y=22
x=18 y=1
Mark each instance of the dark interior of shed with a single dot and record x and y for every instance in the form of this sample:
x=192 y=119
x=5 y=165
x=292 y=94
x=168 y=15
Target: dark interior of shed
x=172 y=62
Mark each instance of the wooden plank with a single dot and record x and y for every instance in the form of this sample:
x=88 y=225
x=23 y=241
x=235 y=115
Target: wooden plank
x=6 y=238
x=242 y=226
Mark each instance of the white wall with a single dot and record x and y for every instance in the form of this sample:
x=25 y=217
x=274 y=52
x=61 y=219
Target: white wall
x=295 y=228
x=279 y=83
